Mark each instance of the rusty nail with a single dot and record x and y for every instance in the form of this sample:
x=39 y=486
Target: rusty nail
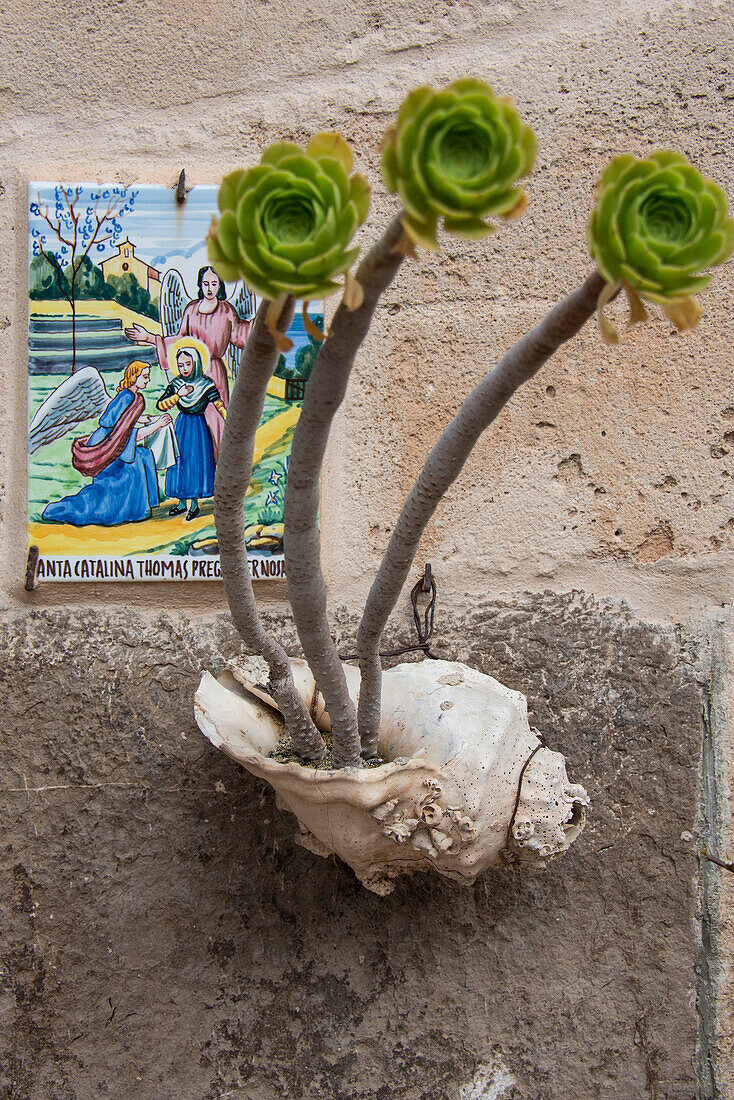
x=31 y=568
x=181 y=187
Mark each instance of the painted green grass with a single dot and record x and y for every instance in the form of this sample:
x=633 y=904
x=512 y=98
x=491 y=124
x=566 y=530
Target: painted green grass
x=51 y=475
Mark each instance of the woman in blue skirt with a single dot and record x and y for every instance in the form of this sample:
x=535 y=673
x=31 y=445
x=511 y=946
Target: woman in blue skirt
x=192 y=392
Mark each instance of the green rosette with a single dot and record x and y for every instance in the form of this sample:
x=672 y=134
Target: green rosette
x=657 y=224
x=457 y=154
x=286 y=225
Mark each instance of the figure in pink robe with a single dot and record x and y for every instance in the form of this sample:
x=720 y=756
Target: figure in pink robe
x=214 y=321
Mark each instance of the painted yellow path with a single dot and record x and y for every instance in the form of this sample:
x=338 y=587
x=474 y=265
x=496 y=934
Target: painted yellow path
x=160 y=530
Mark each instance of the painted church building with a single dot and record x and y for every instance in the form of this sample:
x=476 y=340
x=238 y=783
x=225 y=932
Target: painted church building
x=126 y=262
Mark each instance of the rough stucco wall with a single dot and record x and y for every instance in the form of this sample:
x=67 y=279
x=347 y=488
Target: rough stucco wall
x=640 y=511
x=610 y=474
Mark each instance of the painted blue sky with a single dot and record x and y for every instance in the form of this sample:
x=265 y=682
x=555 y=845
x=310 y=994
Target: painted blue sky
x=165 y=234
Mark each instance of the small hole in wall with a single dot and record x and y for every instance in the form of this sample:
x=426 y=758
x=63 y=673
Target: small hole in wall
x=551 y=391
x=603 y=432
x=617 y=533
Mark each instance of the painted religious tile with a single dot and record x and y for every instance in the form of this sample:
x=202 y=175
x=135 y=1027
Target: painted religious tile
x=134 y=343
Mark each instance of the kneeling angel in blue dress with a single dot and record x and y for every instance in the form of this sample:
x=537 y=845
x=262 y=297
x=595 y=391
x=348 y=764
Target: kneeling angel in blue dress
x=124 y=487
x=192 y=477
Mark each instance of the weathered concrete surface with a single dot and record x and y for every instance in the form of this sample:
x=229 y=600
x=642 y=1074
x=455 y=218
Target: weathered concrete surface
x=165 y=937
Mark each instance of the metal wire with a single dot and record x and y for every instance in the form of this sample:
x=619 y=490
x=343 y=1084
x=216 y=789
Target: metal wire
x=523 y=769
x=424 y=625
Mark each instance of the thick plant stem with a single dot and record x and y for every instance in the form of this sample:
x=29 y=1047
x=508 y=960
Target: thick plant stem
x=441 y=469
x=234 y=469
x=325 y=392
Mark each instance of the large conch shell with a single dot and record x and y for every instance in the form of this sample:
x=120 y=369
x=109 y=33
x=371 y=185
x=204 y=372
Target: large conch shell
x=468 y=784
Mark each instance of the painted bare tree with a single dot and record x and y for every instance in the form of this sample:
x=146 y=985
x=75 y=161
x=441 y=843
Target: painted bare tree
x=454 y=156
x=78 y=224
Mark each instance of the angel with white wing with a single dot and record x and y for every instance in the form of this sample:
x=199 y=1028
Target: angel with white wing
x=211 y=318
x=117 y=456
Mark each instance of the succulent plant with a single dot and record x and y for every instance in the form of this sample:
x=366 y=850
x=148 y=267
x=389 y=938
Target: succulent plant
x=457 y=154
x=287 y=223
x=656 y=225
x=454 y=156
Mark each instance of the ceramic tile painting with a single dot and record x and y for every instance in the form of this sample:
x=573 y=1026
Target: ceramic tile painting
x=133 y=345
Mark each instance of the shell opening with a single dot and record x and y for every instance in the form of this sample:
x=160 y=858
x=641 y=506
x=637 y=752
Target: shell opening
x=576 y=821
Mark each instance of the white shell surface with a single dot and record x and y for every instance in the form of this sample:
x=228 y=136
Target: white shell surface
x=468 y=785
